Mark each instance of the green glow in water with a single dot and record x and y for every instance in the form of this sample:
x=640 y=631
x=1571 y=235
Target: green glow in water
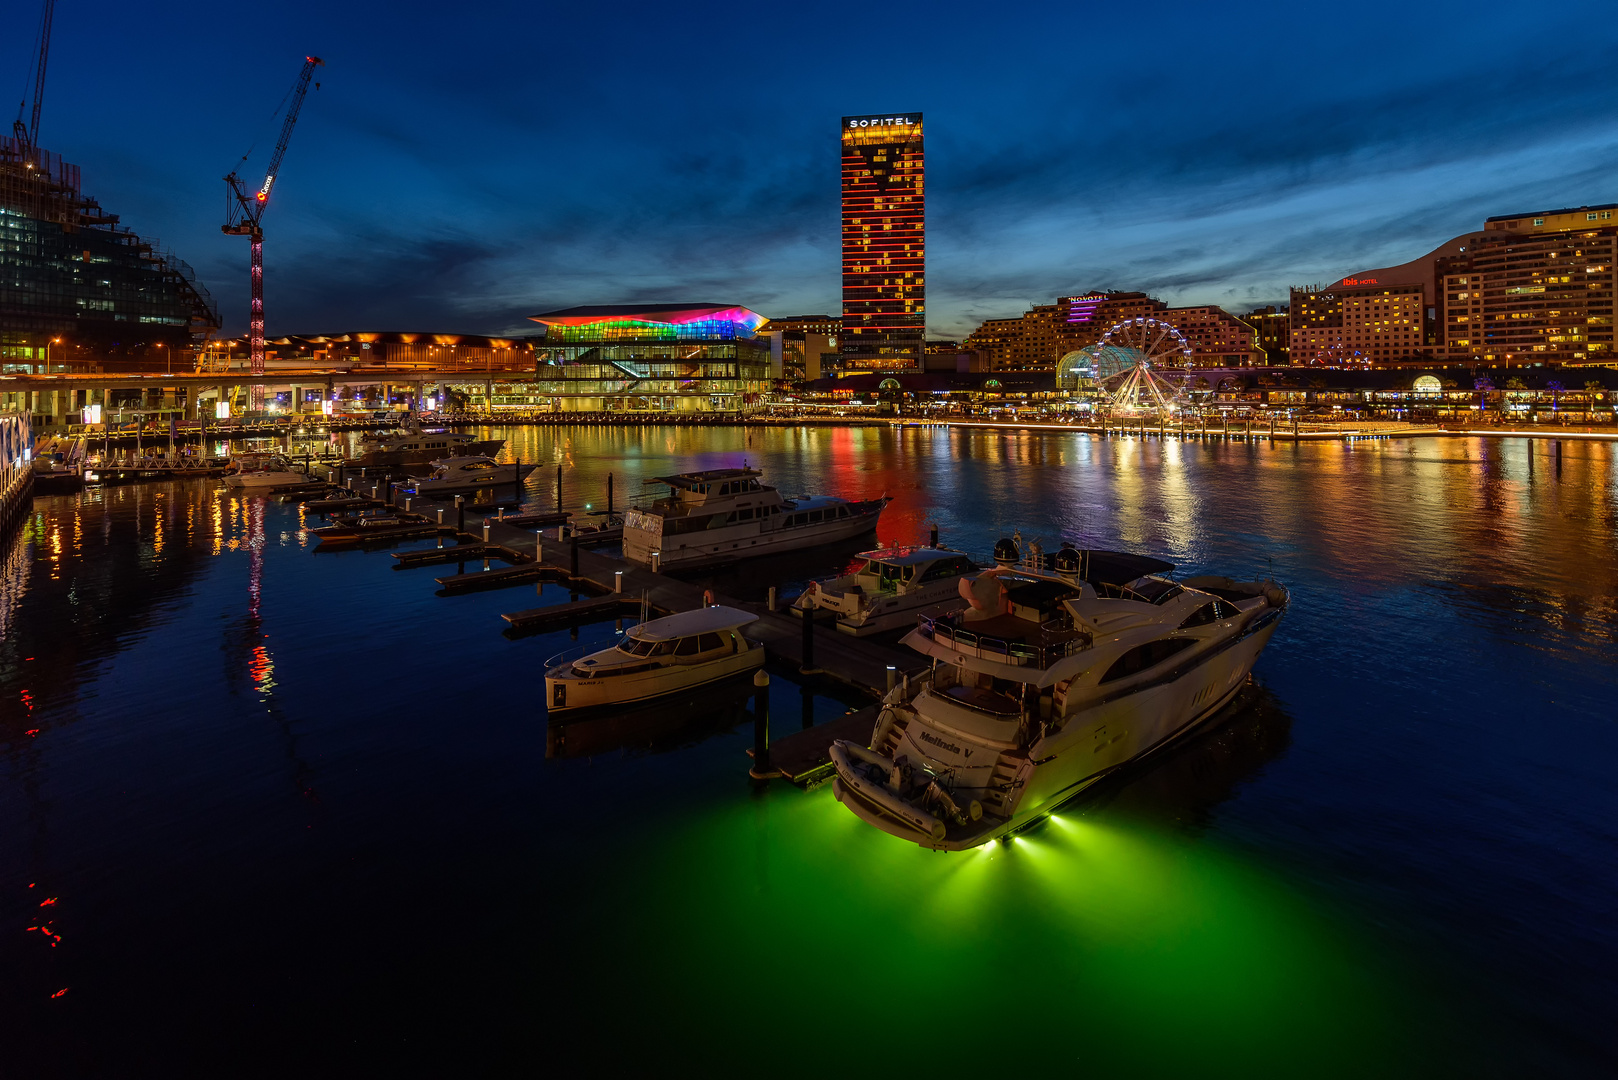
x=1090 y=942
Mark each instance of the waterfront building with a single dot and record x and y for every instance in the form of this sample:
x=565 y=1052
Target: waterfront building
x=1533 y=288
x=1271 y=324
x=884 y=242
x=1036 y=340
x=653 y=358
x=808 y=344
x=78 y=288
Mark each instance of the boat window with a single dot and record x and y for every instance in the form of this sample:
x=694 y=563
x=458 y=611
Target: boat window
x=687 y=647
x=815 y=515
x=636 y=647
x=708 y=642
x=1142 y=657
x=1225 y=610
x=1157 y=591
x=724 y=489
x=794 y=520
x=663 y=648
x=842 y=511
x=1204 y=615
x=944 y=568
x=744 y=515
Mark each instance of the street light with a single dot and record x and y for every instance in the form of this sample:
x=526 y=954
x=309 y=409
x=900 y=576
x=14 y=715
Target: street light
x=48 y=344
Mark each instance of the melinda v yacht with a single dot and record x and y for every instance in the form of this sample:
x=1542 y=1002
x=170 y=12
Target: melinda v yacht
x=723 y=515
x=1047 y=682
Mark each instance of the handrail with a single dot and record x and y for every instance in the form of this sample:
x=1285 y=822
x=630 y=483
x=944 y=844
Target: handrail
x=1016 y=653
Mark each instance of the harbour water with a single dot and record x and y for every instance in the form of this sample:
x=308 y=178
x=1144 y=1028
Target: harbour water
x=261 y=809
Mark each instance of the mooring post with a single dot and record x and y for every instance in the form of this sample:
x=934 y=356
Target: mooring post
x=657 y=562
x=770 y=603
x=893 y=677
x=573 y=554
x=440 y=515
x=407 y=504
x=460 y=516
x=807 y=664
x=617 y=581
x=761 y=727
x=485 y=531
x=932 y=536
x=609 y=494
x=539 y=546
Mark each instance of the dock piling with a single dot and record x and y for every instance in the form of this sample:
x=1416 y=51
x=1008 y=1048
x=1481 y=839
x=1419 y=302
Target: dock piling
x=539 y=546
x=761 y=727
x=893 y=677
x=460 y=515
x=770 y=603
x=573 y=557
x=609 y=495
x=657 y=562
x=558 y=486
x=485 y=532
x=932 y=536
x=807 y=665
x=617 y=581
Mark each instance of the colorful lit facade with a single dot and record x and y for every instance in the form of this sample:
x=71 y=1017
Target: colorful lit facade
x=653 y=358
x=884 y=242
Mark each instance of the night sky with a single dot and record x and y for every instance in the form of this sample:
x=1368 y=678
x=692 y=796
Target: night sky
x=466 y=165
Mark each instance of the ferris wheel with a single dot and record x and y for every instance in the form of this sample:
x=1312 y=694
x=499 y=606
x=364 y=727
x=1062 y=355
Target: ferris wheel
x=1141 y=364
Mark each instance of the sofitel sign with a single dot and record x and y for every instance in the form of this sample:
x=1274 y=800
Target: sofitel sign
x=881 y=121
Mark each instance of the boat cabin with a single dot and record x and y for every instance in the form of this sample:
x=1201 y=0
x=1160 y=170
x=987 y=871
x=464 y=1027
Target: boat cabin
x=889 y=569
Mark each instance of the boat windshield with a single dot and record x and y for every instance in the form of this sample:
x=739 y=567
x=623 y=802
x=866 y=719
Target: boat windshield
x=636 y=647
x=887 y=575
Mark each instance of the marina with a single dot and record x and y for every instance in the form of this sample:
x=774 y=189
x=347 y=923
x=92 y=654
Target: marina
x=295 y=746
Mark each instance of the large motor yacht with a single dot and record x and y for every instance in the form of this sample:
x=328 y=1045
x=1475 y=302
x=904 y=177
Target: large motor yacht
x=723 y=515
x=1047 y=682
x=415 y=446
x=655 y=658
x=469 y=475
x=891 y=588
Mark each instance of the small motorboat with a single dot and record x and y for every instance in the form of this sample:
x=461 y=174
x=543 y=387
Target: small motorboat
x=891 y=588
x=465 y=475
x=655 y=658
x=262 y=471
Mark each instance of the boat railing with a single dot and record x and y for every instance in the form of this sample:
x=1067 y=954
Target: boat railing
x=1015 y=653
x=567 y=656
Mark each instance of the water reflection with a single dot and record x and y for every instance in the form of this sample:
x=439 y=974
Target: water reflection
x=670 y=723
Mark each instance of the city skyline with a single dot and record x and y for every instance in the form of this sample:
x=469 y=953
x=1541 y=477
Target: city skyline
x=429 y=187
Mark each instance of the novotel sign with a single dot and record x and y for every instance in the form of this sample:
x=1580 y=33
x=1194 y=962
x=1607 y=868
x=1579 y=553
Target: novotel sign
x=881 y=121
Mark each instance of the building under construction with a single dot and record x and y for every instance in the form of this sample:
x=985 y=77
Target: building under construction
x=78 y=290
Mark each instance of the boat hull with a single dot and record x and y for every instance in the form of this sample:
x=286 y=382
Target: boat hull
x=716 y=547
x=375 y=458
x=568 y=696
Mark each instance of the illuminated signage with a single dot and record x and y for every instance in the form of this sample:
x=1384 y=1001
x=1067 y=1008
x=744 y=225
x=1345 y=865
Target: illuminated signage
x=1359 y=281
x=881 y=121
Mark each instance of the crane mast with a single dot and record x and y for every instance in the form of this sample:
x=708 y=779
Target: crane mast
x=244 y=216
x=27 y=135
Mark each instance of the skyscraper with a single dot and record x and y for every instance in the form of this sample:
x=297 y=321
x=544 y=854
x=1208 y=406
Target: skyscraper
x=884 y=241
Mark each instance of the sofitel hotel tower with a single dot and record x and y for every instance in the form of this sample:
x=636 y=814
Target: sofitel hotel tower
x=884 y=241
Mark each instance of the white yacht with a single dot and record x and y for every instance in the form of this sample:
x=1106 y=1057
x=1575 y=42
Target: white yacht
x=415 y=446
x=891 y=588
x=262 y=471
x=655 y=658
x=466 y=475
x=723 y=515
x=1049 y=681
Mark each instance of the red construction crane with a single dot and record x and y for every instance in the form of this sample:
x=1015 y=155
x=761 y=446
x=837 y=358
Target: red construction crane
x=244 y=217
x=27 y=135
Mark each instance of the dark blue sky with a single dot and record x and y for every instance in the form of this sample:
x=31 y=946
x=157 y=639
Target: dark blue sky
x=463 y=166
